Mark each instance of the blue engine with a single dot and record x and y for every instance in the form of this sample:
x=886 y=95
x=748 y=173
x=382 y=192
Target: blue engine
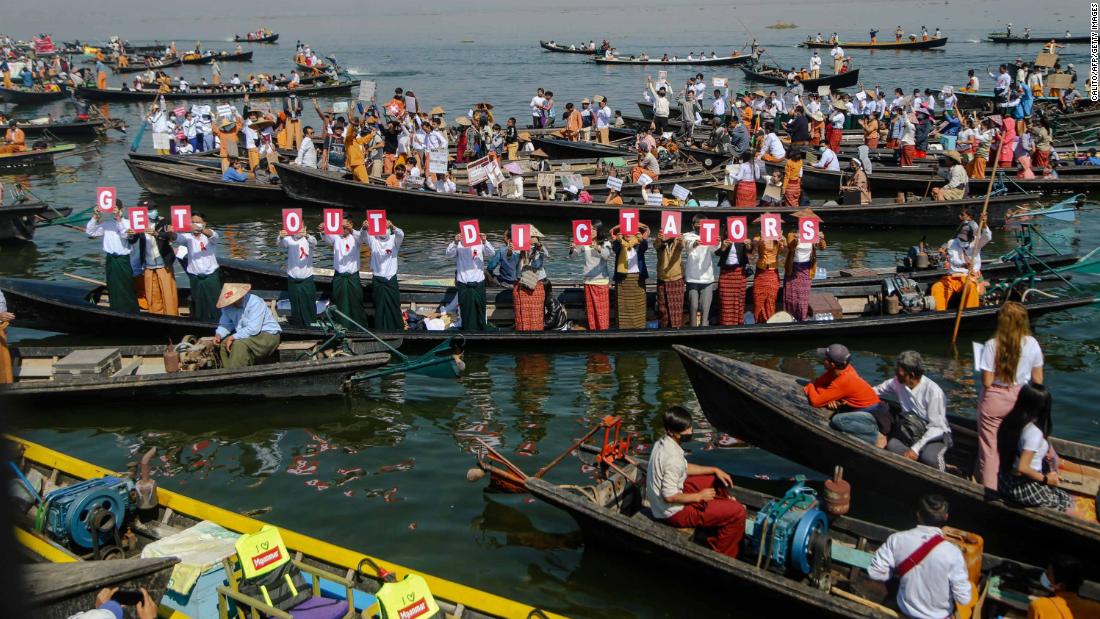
x=788 y=531
x=72 y=511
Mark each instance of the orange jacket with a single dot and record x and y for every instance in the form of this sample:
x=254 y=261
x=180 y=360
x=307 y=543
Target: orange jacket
x=844 y=386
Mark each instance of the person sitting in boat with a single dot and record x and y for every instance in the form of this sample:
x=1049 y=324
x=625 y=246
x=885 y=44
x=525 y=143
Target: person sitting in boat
x=1063 y=578
x=15 y=140
x=855 y=404
x=827 y=160
x=247 y=332
x=236 y=172
x=108 y=608
x=931 y=572
x=688 y=495
x=1093 y=159
x=957 y=181
x=858 y=182
x=963 y=259
x=920 y=431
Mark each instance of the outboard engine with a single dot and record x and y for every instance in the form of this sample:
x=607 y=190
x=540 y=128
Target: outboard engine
x=88 y=515
x=791 y=534
x=901 y=294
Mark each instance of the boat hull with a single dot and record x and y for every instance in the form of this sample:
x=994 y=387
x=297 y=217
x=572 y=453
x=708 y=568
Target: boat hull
x=164 y=179
x=834 y=82
x=721 y=61
x=29 y=97
x=918 y=44
x=114 y=94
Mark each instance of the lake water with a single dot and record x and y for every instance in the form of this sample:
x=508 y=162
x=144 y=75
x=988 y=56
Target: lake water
x=383 y=472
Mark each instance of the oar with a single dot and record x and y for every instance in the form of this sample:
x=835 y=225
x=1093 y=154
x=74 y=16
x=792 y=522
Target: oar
x=141 y=132
x=87 y=280
x=974 y=243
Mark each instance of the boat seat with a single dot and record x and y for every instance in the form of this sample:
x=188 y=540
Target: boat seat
x=647 y=514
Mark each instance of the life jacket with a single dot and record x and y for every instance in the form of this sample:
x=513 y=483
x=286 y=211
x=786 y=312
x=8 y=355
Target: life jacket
x=408 y=598
x=267 y=572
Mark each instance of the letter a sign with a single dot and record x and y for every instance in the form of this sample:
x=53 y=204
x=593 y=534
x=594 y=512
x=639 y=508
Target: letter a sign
x=670 y=223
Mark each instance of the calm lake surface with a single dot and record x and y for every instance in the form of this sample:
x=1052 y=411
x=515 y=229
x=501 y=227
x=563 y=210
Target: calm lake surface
x=384 y=471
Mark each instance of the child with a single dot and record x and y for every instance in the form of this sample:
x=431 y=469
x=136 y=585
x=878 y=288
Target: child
x=496 y=144
x=774 y=186
x=619 y=122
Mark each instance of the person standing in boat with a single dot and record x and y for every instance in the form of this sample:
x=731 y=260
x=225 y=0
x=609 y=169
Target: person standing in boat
x=661 y=105
x=470 y=280
x=114 y=227
x=247 y=332
x=153 y=249
x=202 y=267
x=699 y=274
x=932 y=572
x=631 y=274
x=800 y=268
x=1008 y=361
x=765 y=287
x=597 y=279
x=385 y=293
x=347 y=289
x=299 y=275
x=670 y=281
x=688 y=495
x=920 y=432
x=6 y=318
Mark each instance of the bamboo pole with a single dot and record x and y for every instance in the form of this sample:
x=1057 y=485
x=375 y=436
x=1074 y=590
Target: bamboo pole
x=977 y=237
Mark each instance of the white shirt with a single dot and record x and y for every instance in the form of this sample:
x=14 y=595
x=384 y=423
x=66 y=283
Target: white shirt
x=158 y=122
x=773 y=146
x=470 y=261
x=299 y=255
x=113 y=232
x=307 y=154
x=660 y=104
x=190 y=127
x=201 y=257
x=803 y=252
x=931 y=589
x=1031 y=357
x=596 y=270
x=699 y=263
x=837 y=118
x=909 y=132
x=837 y=53
x=383 y=252
x=1032 y=439
x=537 y=104
x=250 y=137
x=603 y=117
x=443 y=185
x=1004 y=80
x=345 y=251
x=745 y=172
x=926 y=400
x=718 y=108
x=828 y=161
x=958 y=251
x=815 y=62
x=665 y=476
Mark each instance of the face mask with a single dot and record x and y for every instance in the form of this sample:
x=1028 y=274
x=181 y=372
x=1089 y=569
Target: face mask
x=686 y=438
x=198 y=227
x=1045 y=582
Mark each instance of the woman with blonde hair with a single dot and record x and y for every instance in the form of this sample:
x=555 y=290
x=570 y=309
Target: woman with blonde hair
x=1009 y=360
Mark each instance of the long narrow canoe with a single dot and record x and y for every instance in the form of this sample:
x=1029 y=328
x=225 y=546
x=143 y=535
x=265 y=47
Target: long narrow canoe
x=562 y=49
x=986 y=100
x=70 y=588
x=769 y=410
x=22 y=96
x=176 y=512
x=33 y=158
x=735 y=58
x=248 y=38
x=66 y=128
x=1005 y=38
x=116 y=94
x=138 y=67
x=201 y=181
x=768 y=75
x=81 y=308
x=931 y=43
x=18 y=221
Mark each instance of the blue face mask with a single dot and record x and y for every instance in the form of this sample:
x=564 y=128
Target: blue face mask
x=1045 y=582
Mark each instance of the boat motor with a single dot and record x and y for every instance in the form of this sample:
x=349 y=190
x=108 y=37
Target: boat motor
x=905 y=294
x=88 y=515
x=791 y=534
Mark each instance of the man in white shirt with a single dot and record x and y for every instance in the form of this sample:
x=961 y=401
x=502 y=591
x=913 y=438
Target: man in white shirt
x=470 y=280
x=838 y=58
x=931 y=570
x=772 y=149
x=347 y=289
x=385 y=292
x=718 y=108
x=162 y=128
x=815 y=66
x=202 y=268
x=538 y=102
x=114 y=228
x=699 y=273
x=604 y=115
x=921 y=401
x=963 y=260
x=661 y=106
x=307 y=151
x=299 y=275
x=688 y=495
x=827 y=160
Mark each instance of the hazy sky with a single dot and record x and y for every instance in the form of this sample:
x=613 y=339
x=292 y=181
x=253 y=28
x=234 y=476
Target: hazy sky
x=446 y=21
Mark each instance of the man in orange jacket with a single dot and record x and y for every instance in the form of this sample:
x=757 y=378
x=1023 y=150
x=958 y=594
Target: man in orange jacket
x=841 y=389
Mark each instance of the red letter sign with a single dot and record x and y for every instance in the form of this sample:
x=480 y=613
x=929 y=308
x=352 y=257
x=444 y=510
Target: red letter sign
x=105 y=198
x=334 y=221
x=628 y=221
x=807 y=229
x=376 y=223
x=770 y=227
x=470 y=231
x=709 y=231
x=521 y=237
x=139 y=219
x=292 y=220
x=670 y=223
x=737 y=229
x=181 y=218
x=582 y=232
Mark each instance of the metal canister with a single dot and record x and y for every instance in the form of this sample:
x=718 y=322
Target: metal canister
x=171 y=358
x=838 y=494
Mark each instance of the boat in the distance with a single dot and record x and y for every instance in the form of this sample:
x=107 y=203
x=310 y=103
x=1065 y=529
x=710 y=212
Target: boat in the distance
x=732 y=59
x=551 y=46
x=34 y=96
x=270 y=37
x=910 y=43
x=117 y=94
x=138 y=67
x=34 y=157
x=1006 y=38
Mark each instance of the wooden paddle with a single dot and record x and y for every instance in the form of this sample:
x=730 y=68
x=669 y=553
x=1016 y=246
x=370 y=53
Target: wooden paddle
x=974 y=243
x=88 y=280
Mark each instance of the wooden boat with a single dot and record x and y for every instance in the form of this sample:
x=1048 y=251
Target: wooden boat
x=735 y=58
x=201 y=181
x=769 y=410
x=18 y=221
x=70 y=588
x=613 y=515
x=174 y=513
x=228 y=56
x=116 y=94
x=73 y=307
x=554 y=47
x=1004 y=37
x=334 y=189
x=931 y=43
x=141 y=373
x=200 y=58
x=986 y=100
x=271 y=38
x=22 y=96
x=35 y=157
x=138 y=67
x=70 y=128
x=766 y=74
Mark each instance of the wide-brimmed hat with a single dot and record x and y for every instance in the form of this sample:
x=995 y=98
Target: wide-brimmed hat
x=806 y=213
x=524 y=136
x=438 y=111
x=954 y=155
x=262 y=123
x=536 y=233
x=759 y=93
x=585 y=100
x=487 y=106
x=513 y=167
x=231 y=293
x=463 y=121
x=227 y=123
x=818 y=116
x=540 y=153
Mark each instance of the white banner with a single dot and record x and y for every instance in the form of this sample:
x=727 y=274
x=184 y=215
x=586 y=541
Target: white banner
x=680 y=193
x=654 y=199
x=367 y=89
x=614 y=183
